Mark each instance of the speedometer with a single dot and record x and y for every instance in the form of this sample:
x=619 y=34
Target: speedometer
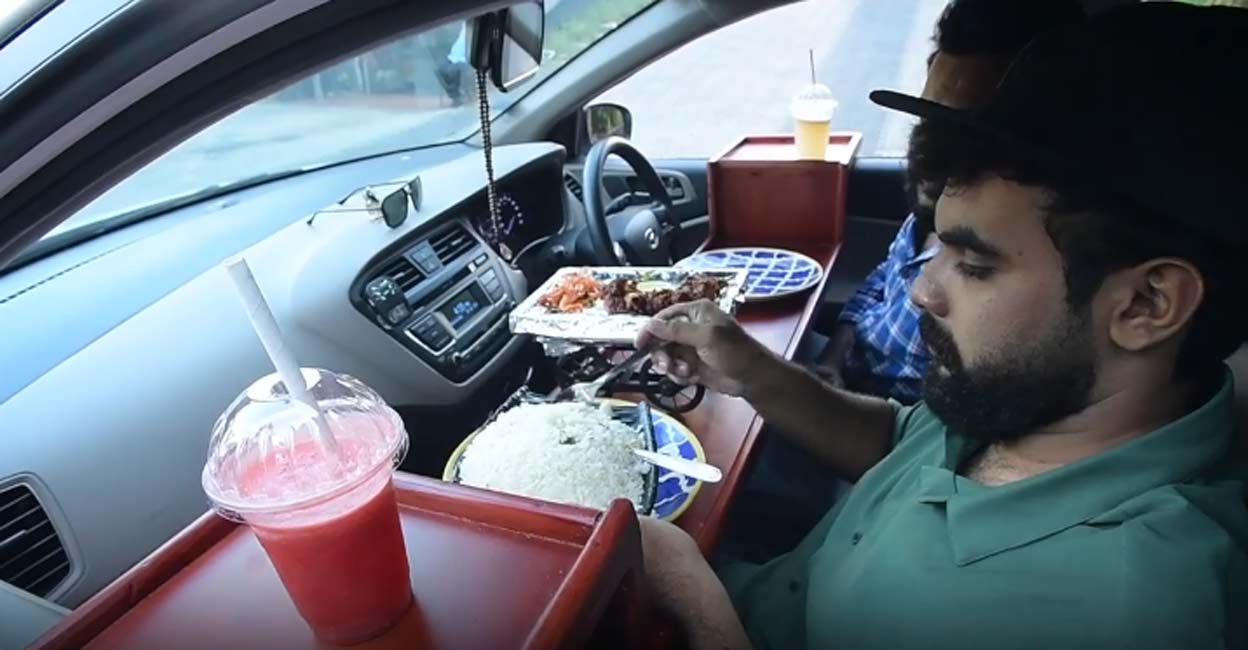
x=510 y=216
x=510 y=223
x=508 y=231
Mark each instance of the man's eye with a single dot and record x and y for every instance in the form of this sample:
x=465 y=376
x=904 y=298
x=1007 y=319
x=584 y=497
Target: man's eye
x=974 y=271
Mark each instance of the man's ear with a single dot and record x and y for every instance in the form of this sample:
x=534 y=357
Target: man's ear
x=1153 y=302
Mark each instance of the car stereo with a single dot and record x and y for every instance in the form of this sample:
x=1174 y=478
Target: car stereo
x=444 y=298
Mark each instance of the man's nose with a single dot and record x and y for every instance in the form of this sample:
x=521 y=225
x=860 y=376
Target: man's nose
x=929 y=297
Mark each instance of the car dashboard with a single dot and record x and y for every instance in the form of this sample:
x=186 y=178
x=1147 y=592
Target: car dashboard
x=108 y=431
x=442 y=293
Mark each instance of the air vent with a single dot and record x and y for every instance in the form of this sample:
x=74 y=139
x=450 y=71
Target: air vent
x=574 y=186
x=404 y=273
x=451 y=243
x=32 y=556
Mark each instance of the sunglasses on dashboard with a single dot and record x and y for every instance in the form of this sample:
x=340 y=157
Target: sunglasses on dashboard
x=393 y=207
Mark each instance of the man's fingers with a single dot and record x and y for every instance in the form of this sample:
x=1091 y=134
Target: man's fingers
x=661 y=361
x=689 y=310
x=677 y=379
x=680 y=331
x=684 y=366
x=644 y=339
x=689 y=323
x=684 y=356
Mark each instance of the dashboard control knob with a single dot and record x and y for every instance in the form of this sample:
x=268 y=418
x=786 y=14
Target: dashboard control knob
x=386 y=299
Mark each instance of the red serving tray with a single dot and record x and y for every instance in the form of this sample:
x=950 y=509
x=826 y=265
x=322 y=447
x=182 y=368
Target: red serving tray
x=842 y=147
x=489 y=571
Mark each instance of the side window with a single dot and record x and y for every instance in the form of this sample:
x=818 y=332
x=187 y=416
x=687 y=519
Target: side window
x=737 y=80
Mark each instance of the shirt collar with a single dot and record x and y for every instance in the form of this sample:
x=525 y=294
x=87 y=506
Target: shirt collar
x=985 y=521
x=926 y=254
x=914 y=252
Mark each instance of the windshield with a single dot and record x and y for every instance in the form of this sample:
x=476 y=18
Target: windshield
x=413 y=92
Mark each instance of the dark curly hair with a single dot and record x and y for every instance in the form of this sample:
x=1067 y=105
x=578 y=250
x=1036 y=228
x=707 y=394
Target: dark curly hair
x=1096 y=232
x=987 y=28
x=1000 y=27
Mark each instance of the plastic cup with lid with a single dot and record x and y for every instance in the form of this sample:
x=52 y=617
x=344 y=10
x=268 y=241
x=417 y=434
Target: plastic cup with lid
x=326 y=515
x=812 y=109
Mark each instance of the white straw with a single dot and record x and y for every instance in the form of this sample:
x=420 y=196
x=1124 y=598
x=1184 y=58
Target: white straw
x=270 y=335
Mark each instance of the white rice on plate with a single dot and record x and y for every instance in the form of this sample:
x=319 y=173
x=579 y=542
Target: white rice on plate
x=568 y=452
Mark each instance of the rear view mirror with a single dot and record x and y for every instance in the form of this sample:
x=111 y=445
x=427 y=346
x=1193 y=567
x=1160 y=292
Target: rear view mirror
x=508 y=43
x=605 y=120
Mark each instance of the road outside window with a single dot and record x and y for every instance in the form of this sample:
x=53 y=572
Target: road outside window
x=695 y=101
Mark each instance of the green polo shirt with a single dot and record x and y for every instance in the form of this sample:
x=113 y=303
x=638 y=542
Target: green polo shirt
x=1142 y=546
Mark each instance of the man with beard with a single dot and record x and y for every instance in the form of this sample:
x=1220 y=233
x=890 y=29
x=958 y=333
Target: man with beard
x=1071 y=479
x=876 y=347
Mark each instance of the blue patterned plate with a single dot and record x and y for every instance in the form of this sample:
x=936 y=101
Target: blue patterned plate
x=772 y=272
x=673 y=493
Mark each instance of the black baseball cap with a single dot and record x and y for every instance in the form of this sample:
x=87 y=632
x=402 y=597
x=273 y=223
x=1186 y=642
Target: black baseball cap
x=1146 y=101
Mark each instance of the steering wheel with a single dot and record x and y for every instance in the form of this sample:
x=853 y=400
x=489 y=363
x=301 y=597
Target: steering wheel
x=642 y=235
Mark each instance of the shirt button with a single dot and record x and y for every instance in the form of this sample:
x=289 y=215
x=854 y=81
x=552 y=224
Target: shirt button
x=795 y=586
x=855 y=538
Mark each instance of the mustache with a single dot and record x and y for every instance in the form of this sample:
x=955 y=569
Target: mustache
x=940 y=342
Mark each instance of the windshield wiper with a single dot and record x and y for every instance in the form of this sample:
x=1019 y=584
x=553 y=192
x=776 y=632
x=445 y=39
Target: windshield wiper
x=70 y=238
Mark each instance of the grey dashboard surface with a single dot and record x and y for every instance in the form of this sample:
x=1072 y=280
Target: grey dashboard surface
x=37 y=616
x=116 y=427
x=85 y=291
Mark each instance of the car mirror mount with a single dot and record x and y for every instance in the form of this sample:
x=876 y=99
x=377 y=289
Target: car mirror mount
x=507 y=44
x=506 y=47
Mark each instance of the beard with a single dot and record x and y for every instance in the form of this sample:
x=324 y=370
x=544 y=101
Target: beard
x=1017 y=389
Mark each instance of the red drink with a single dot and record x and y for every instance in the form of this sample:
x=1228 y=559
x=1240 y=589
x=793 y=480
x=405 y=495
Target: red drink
x=342 y=561
x=327 y=517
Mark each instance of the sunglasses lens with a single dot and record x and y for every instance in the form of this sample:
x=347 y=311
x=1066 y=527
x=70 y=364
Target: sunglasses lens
x=394 y=209
x=413 y=190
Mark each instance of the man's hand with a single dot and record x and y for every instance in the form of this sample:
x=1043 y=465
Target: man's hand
x=830 y=374
x=830 y=366
x=704 y=346
x=701 y=344
x=684 y=586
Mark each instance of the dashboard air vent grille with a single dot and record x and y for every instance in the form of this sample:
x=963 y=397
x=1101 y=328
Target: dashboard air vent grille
x=574 y=186
x=451 y=243
x=404 y=273
x=32 y=556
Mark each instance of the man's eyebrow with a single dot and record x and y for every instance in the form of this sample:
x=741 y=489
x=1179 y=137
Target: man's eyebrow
x=967 y=238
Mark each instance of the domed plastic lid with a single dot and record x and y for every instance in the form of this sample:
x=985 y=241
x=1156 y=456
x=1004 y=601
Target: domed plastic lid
x=265 y=455
x=813 y=103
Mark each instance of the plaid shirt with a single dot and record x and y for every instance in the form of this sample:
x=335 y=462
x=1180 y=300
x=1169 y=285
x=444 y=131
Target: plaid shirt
x=888 y=357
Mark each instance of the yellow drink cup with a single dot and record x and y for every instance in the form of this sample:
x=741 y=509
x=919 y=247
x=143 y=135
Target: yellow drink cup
x=811 y=139
x=812 y=110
